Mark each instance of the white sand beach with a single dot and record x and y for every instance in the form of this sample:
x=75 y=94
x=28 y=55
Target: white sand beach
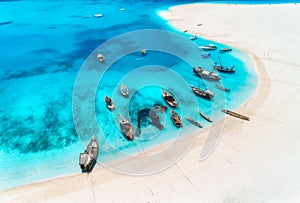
x=255 y=161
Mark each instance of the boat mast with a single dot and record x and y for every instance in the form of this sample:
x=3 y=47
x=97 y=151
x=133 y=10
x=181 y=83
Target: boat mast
x=220 y=61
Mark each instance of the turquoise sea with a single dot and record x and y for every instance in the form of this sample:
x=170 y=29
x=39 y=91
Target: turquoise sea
x=44 y=44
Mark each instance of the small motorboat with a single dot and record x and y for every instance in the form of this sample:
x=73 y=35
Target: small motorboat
x=100 y=57
x=126 y=127
x=124 y=90
x=206 y=94
x=98 y=15
x=192 y=121
x=225 y=89
x=88 y=159
x=204 y=74
x=206 y=117
x=193 y=37
x=109 y=103
x=226 y=49
x=176 y=119
x=169 y=98
x=209 y=47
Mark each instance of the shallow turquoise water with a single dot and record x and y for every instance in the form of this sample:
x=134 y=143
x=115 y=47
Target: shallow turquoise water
x=43 y=46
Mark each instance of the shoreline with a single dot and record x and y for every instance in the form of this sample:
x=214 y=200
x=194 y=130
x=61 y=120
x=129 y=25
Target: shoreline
x=229 y=151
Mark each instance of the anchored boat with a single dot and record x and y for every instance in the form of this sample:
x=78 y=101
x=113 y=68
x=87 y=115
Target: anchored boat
x=206 y=117
x=226 y=49
x=209 y=47
x=222 y=88
x=126 y=128
x=206 y=94
x=204 y=74
x=100 y=57
x=169 y=98
x=192 y=121
x=176 y=119
x=88 y=159
x=109 y=103
x=124 y=90
x=223 y=69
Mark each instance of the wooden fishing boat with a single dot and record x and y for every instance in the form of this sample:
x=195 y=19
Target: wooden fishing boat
x=222 y=88
x=124 y=90
x=206 y=117
x=209 y=47
x=192 y=121
x=169 y=98
x=100 y=57
x=88 y=159
x=237 y=115
x=206 y=94
x=204 y=74
x=109 y=103
x=126 y=128
x=223 y=69
x=176 y=119
x=226 y=49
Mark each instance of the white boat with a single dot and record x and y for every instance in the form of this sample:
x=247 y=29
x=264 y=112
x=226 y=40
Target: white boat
x=98 y=15
x=208 y=47
x=126 y=128
x=124 y=90
x=100 y=57
x=88 y=159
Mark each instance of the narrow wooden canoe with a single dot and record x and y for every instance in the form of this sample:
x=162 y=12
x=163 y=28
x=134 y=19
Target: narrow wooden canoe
x=237 y=115
x=206 y=117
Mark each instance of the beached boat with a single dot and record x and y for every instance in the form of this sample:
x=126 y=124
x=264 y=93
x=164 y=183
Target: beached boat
x=204 y=74
x=88 y=159
x=100 y=57
x=209 y=47
x=169 y=98
x=222 y=88
x=206 y=117
x=192 y=121
x=124 y=90
x=126 y=128
x=226 y=49
x=176 y=119
x=206 y=94
x=109 y=103
x=237 y=115
x=223 y=69
x=193 y=37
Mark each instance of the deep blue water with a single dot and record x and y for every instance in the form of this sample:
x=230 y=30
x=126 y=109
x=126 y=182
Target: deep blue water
x=43 y=46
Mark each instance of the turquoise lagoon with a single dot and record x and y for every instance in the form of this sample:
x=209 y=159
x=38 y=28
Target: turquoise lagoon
x=43 y=46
